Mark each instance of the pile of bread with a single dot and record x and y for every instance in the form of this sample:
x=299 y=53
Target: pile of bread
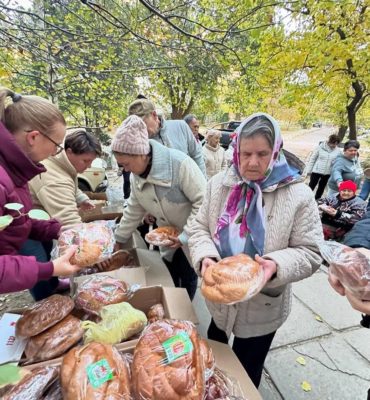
x=170 y=361
x=54 y=325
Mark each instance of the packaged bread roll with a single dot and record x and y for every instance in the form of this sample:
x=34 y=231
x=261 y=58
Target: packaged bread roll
x=160 y=236
x=233 y=279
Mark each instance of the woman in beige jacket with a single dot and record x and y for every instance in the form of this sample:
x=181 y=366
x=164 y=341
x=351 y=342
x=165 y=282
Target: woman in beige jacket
x=214 y=154
x=259 y=207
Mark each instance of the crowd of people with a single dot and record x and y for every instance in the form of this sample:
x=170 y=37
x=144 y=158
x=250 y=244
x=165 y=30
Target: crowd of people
x=250 y=199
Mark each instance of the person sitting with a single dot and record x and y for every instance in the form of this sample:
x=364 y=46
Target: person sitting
x=341 y=211
x=214 y=154
x=56 y=190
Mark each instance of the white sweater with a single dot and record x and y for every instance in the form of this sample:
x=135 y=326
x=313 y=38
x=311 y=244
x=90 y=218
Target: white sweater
x=215 y=160
x=293 y=234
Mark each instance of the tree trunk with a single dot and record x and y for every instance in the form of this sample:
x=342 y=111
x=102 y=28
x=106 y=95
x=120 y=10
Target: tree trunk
x=351 y=115
x=342 y=131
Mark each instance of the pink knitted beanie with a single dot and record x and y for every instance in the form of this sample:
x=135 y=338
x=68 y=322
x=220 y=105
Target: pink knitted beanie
x=131 y=137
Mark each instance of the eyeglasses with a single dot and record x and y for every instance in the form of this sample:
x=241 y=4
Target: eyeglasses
x=58 y=146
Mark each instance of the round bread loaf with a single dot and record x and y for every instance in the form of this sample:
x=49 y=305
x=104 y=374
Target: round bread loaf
x=159 y=236
x=170 y=362
x=155 y=313
x=98 y=291
x=95 y=371
x=44 y=314
x=54 y=341
x=232 y=279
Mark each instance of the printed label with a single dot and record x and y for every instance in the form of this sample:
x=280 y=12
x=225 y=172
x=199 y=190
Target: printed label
x=177 y=346
x=99 y=373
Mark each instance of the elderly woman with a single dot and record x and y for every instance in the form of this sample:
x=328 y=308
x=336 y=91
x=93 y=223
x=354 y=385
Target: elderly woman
x=165 y=183
x=214 y=154
x=346 y=167
x=56 y=190
x=260 y=207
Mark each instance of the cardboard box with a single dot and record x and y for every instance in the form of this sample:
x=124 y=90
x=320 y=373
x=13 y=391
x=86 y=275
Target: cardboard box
x=176 y=304
x=101 y=212
x=227 y=361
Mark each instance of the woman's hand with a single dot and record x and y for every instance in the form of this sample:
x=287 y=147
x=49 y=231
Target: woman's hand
x=335 y=284
x=86 y=205
x=206 y=262
x=357 y=304
x=62 y=265
x=269 y=267
x=175 y=242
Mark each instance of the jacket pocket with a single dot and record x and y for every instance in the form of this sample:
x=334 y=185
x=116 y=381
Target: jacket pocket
x=264 y=309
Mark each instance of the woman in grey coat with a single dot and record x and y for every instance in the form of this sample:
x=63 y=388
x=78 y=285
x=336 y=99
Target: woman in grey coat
x=346 y=167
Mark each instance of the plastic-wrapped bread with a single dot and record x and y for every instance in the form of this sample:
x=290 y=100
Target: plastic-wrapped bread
x=95 y=371
x=160 y=236
x=171 y=361
x=233 y=279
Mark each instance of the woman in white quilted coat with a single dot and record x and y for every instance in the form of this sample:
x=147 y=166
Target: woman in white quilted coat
x=261 y=207
x=214 y=154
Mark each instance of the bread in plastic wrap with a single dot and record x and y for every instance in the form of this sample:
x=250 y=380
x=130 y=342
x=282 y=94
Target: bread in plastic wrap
x=160 y=236
x=98 y=291
x=118 y=323
x=171 y=361
x=233 y=279
x=43 y=314
x=220 y=386
x=155 y=313
x=94 y=241
x=33 y=385
x=55 y=341
x=95 y=371
x=352 y=268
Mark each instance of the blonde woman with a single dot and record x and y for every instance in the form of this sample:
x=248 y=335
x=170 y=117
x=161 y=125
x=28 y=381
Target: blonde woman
x=31 y=129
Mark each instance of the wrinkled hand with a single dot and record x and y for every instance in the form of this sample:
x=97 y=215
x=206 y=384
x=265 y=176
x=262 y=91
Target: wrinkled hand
x=175 y=242
x=104 y=265
x=357 y=304
x=269 y=267
x=331 y=211
x=335 y=284
x=206 y=262
x=62 y=265
x=149 y=219
x=86 y=205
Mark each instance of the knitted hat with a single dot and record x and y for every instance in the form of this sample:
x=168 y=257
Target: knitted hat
x=348 y=185
x=141 y=107
x=131 y=137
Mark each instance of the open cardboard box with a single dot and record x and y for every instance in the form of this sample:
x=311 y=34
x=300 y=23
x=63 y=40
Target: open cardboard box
x=101 y=212
x=176 y=304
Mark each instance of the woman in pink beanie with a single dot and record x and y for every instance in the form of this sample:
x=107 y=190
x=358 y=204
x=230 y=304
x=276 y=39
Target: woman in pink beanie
x=165 y=183
x=339 y=212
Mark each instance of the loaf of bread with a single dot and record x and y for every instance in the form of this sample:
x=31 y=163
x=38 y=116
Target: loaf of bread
x=33 y=385
x=55 y=341
x=87 y=253
x=232 y=280
x=160 y=236
x=170 y=362
x=100 y=290
x=43 y=314
x=95 y=371
x=155 y=313
x=352 y=268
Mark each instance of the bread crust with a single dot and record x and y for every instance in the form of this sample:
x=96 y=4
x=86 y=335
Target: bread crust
x=43 y=314
x=232 y=279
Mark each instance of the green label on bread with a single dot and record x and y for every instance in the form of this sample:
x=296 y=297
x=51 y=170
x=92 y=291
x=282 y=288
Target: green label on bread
x=177 y=346
x=99 y=373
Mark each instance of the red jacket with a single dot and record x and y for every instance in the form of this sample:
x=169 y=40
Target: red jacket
x=16 y=169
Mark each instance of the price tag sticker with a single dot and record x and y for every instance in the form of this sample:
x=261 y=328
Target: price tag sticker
x=177 y=346
x=99 y=373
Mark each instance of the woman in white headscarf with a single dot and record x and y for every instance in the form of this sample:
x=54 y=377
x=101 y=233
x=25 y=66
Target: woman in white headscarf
x=214 y=154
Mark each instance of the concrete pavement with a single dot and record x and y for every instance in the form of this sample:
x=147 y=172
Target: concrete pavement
x=324 y=331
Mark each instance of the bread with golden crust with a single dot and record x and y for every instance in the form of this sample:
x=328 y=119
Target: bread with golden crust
x=160 y=236
x=233 y=279
x=55 y=341
x=156 y=377
x=43 y=314
x=80 y=367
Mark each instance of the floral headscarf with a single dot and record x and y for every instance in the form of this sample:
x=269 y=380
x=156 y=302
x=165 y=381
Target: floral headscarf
x=241 y=226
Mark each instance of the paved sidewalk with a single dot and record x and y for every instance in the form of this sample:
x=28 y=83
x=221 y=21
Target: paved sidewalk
x=324 y=330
